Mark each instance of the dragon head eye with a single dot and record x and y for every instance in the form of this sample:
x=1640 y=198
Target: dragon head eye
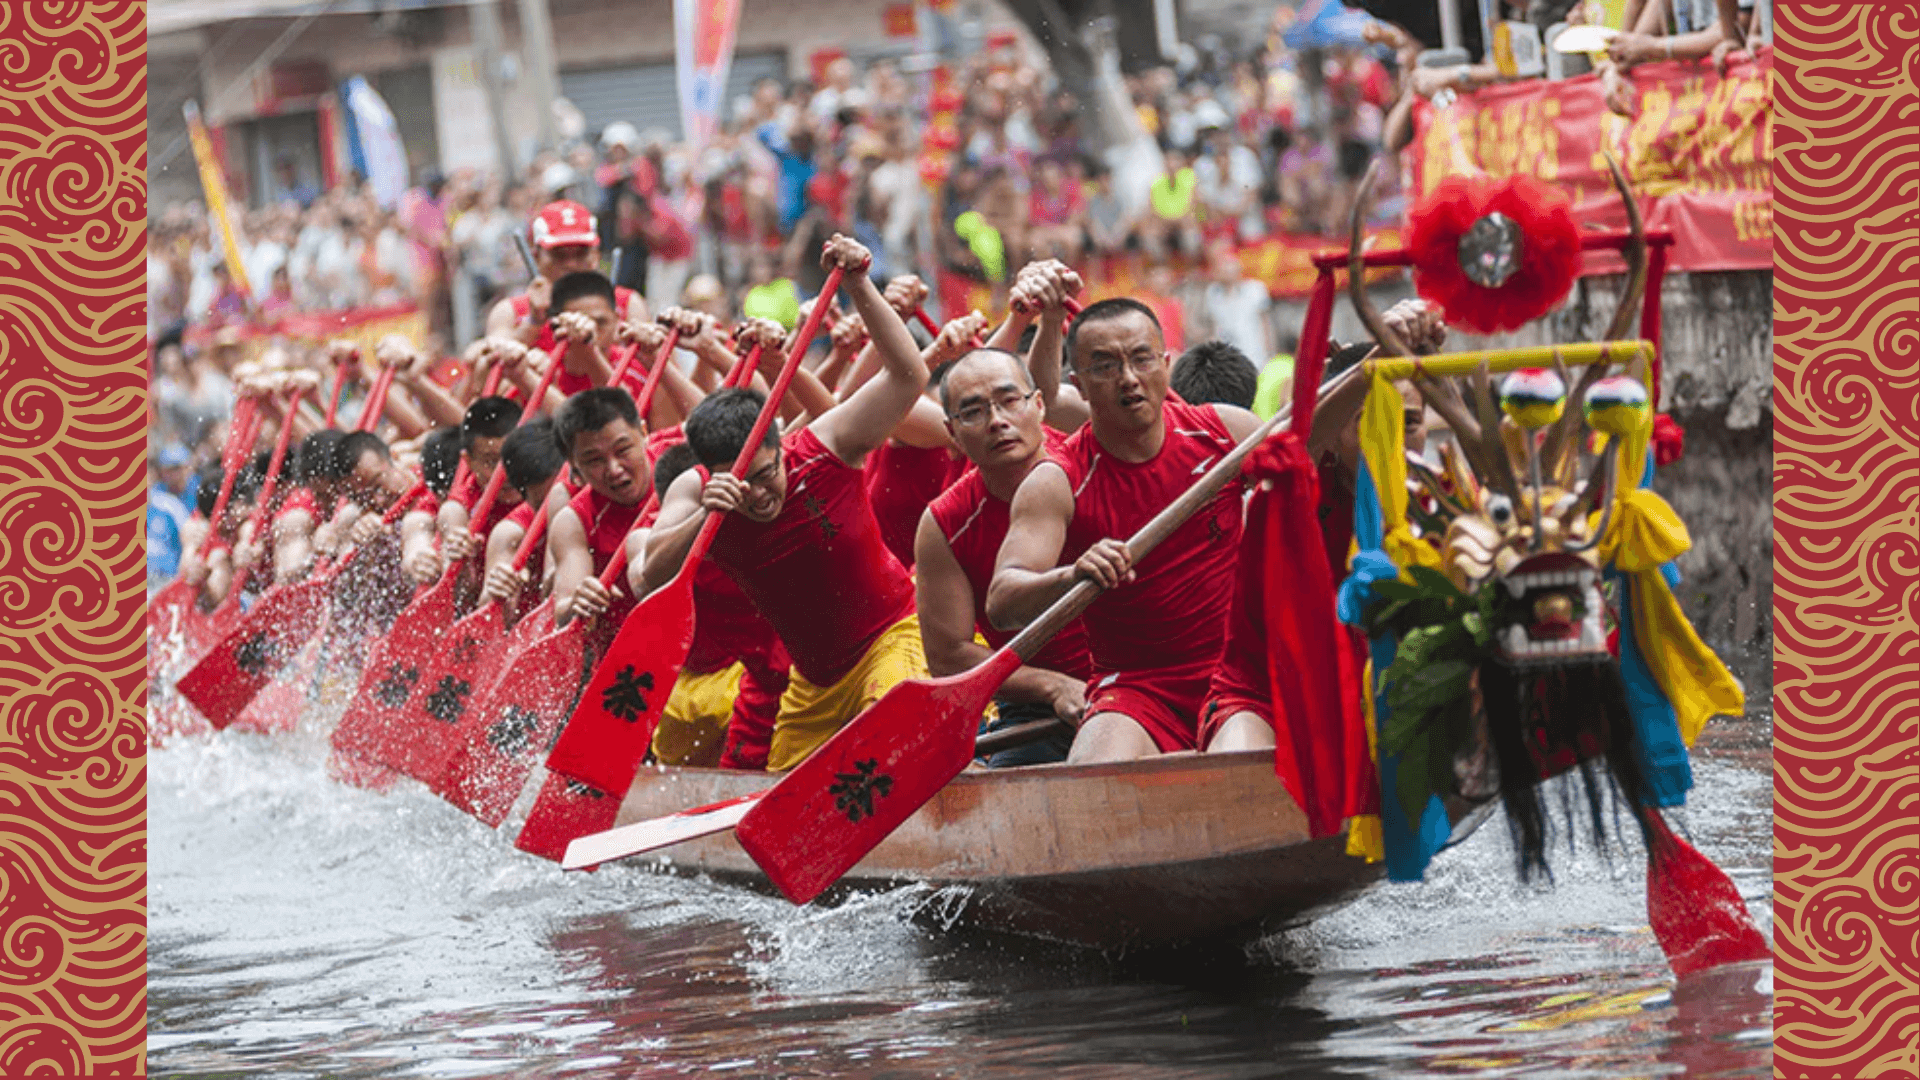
x=1500 y=510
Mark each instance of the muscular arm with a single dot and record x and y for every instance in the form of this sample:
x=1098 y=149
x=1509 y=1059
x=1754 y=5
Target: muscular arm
x=944 y=598
x=637 y=562
x=502 y=543
x=501 y=323
x=418 y=559
x=866 y=419
x=1066 y=409
x=572 y=560
x=673 y=532
x=435 y=404
x=1239 y=422
x=1027 y=577
x=292 y=546
x=219 y=576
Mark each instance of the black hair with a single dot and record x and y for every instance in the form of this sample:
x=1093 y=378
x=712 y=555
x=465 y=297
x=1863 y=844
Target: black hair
x=209 y=479
x=531 y=455
x=1214 y=373
x=678 y=459
x=488 y=418
x=1111 y=308
x=940 y=373
x=353 y=446
x=316 y=458
x=591 y=410
x=440 y=459
x=718 y=427
x=578 y=284
x=1342 y=357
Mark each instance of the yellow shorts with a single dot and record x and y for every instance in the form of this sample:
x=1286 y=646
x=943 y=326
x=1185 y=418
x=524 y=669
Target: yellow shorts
x=693 y=725
x=809 y=714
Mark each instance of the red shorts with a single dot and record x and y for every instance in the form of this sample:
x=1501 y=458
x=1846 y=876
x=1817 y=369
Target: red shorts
x=1165 y=701
x=1228 y=692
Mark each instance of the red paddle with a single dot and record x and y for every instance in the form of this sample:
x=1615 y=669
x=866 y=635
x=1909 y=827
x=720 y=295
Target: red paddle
x=470 y=658
x=248 y=655
x=339 y=387
x=1696 y=911
x=517 y=716
x=608 y=735
x=567 y=808
x=376 y=401
x=613 y=721
x=825 y=815
x=375 y=726
x=174 y=602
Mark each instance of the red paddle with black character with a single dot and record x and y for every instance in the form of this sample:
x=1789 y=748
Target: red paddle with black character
x=249 y=655
x=612 y=725
x=396 y=719
x=605 y=739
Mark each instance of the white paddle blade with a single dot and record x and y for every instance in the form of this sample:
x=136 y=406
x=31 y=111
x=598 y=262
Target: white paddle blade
x=656 y=833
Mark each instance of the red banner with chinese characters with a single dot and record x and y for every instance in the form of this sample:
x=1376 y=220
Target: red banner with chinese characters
x=1698 y=152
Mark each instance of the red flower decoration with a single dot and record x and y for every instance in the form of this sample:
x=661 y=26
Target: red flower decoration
x=1669 y=440
x=1549 y=250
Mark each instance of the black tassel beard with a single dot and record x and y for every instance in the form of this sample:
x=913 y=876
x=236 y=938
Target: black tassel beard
x=1535 y=719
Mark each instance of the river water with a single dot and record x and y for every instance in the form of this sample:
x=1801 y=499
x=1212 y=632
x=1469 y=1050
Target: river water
x=303 y=928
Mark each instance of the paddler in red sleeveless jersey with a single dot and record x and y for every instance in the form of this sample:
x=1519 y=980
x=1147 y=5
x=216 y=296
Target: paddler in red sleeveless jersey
x=1157 y=633
x=800 y=537
x=995 y=416
x=565 y=241
x=600 y=433
x=536 y=472
x=727 y=698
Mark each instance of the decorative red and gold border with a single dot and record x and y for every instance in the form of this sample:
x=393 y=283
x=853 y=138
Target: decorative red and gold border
x=1846 y=482
x=73 y=420
x=72 y=453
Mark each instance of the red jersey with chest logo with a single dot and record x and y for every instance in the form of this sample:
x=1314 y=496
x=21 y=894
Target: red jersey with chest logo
x=1175 y=611
x=901 y=480
x=818 y=571
x=975 y=525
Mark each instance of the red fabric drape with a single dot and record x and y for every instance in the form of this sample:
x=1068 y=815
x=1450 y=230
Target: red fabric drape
x=1321 y=749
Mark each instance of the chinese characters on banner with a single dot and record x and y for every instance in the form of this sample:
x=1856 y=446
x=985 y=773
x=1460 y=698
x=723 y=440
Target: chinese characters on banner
x=1698 y=151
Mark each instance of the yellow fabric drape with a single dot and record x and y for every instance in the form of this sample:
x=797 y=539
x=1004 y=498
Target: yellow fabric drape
x=1382 y=435
x=1645 y=535
x=1364 y=838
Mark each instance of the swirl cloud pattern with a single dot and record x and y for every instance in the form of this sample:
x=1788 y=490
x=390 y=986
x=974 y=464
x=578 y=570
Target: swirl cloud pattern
x=1846 y=476
x=73 y=417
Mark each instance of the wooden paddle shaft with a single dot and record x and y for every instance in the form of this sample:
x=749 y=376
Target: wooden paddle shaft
x=526 y=255
x=1077 y=599
x=1019 y=735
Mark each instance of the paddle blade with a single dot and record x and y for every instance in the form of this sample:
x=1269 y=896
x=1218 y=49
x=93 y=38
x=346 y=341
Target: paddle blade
x=825 y=815
x=515 y=721
x=167 y=605
x=277 y=708
x=655 y=833
x=566 y=809
x=249 y=655
x=613 y=724
x=435 y=716
x=397 y=690
x=1696 y=911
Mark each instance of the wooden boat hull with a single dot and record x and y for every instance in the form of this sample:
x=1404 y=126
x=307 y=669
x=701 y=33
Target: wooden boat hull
x=1171 y=849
